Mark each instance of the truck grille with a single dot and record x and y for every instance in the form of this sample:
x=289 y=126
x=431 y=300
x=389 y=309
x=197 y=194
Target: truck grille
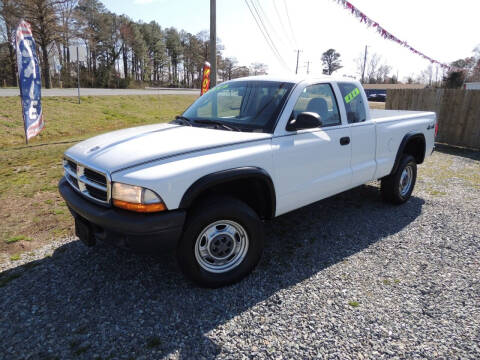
x=90 y=183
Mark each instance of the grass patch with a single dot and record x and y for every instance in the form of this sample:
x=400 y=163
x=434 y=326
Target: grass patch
x=437 y=193
x=354 y=304
x=16 y=238
x=390 y=282
x=443 y=171
x=29 y=174
x=68 y=120
x=15 y=257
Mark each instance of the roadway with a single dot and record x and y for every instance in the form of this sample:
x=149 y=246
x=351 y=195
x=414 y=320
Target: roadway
x=105 y=92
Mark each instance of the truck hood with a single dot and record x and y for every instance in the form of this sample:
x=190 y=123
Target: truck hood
x=125 y=148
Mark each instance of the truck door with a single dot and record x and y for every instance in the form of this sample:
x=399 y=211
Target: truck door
x=312 y=164
x=362 y=133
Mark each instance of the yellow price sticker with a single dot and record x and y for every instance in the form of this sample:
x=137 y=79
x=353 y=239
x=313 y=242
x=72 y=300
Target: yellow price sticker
x=352 y=95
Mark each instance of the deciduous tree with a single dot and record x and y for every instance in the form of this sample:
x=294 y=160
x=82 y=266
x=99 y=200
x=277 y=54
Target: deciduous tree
x=331 y=61
x=9 y=18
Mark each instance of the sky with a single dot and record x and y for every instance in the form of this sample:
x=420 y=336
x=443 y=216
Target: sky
x=443 y=30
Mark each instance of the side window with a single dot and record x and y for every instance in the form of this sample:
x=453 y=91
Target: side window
x=320 y=99
x=353 y=100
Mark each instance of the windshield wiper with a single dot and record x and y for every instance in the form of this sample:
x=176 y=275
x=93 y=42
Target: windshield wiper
x=219 y=123
x=180 y=119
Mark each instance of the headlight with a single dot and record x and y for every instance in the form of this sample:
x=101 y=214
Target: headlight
x=136 y=198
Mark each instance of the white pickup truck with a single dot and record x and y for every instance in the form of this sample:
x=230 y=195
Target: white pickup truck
x=247 y=151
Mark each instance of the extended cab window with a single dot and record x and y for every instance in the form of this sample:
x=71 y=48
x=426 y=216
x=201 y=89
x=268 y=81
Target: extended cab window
x=353 y=100
x=319 y=99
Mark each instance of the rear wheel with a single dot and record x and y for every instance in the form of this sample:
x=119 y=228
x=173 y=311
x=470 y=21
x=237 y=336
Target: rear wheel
x=222 y=242
x=397 y=188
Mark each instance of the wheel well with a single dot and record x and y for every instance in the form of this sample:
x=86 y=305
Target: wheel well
x=412 y=144
x=250 y=185
x=251 y=191
x=416 y=147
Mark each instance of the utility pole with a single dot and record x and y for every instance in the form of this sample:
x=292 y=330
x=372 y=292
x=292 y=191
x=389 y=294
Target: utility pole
x=213 y=43
x=308 y=67
x=298 y=56
x=364 y=65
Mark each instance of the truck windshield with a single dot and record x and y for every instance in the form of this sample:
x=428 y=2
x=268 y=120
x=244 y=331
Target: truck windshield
x=246 y=105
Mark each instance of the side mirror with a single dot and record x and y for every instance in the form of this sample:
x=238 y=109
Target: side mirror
x=304 y=120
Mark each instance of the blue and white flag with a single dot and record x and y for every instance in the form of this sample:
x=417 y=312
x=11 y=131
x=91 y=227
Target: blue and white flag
x=30 y=81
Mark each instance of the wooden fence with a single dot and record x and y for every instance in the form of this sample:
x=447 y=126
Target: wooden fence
x=458 y=112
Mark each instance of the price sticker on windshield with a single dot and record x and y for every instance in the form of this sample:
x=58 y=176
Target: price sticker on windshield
x=352 y=95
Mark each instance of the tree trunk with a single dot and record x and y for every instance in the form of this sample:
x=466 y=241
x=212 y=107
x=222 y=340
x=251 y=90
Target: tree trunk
x=125 y=61
x=155 y=74
x=133 y=66
x=94 y=61
x=11 y=54
x=46 y=66
x=169 y=72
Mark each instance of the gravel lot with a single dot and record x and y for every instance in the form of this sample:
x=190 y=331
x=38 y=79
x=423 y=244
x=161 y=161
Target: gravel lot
x=350 y=278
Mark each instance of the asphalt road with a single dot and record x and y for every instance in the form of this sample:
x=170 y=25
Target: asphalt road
x=105 y=92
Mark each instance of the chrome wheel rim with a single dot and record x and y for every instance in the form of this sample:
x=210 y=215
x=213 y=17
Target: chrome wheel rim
x=221 y=246
x=405 y=180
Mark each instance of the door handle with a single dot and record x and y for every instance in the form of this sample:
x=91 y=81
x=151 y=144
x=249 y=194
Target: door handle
x=344 y=140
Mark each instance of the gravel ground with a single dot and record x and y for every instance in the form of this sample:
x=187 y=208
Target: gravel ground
x=349 y=278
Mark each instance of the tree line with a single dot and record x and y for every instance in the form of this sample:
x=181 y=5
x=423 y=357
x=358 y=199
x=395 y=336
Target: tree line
x=118 y=51
x=372 y=71
x=466 y=70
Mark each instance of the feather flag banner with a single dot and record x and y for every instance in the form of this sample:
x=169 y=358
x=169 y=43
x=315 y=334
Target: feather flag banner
x=205 y=79
x=30 y=82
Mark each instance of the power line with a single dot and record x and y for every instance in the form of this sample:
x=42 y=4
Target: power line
x=260 y=28
x=269 y=23
x=280 y=58
x=282 y=25
x=265 y=34
x=290 y=24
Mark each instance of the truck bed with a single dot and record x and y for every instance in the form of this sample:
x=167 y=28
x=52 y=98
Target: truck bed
x=386 y=115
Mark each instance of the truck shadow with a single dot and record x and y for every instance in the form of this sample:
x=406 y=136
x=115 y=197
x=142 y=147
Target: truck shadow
x=100 y=301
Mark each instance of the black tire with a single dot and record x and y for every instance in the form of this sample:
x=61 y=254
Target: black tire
x=390 y=186
x=203 y=216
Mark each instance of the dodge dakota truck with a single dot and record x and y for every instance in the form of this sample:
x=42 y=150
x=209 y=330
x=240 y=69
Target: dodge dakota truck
x=248 y=150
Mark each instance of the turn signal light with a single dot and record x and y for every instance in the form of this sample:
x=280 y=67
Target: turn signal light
x=143 y=208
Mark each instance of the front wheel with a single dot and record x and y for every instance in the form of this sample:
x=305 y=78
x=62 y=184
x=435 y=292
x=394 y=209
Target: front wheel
x=397 y=188
x=222 y=242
